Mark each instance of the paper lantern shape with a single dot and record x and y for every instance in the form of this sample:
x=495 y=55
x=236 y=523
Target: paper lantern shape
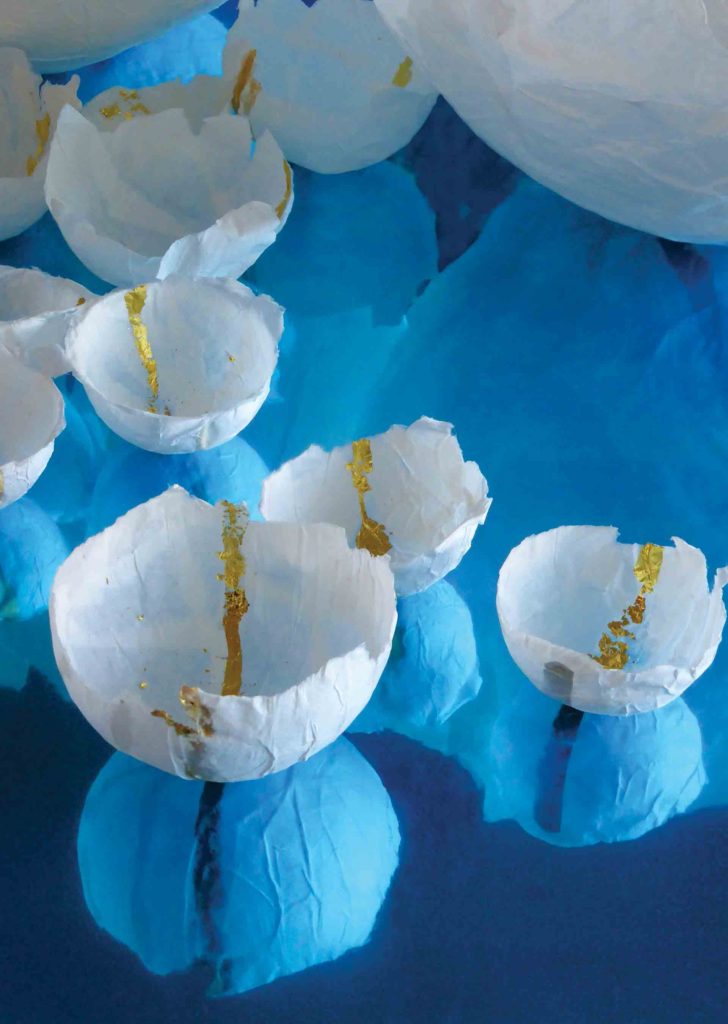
x=229 y=650
x=67 y=35
x=153 y=197
x=203 y=888
x=328 y=79
x=616 y=106
x=607 y=627
x=28 y=113
x=575 y=780
x=31 y=418
x=177 y=365
x=35 y=312
x=407 y=493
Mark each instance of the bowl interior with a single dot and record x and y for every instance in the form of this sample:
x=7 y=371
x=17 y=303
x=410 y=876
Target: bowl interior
x=29 y=410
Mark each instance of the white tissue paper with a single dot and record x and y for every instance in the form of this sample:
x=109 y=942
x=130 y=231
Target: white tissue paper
x=607 y=627
x=618 y=106
x=177 y=365
x=329 y=80
x=406 y=493
x=59 y=35
x=216 y=648
x=29 y=109
x=36 y=310
x=154 y=197
x=31 y=418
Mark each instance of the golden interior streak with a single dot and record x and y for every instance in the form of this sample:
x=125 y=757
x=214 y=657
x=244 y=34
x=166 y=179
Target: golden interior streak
x=372 y=536
x=42 y=131
x=236 y=603
x=281 y=208
x=614 y=648
x=134 y=301
x=252 y=93
x=244 y=76
x=403 y=74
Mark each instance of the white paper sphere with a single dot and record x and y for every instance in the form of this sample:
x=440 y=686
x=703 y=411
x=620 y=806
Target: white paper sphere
x=566 y=597
x=329 y=80
x=59 y=35
x=618 y=106
x=31 y=418
x=36 y=310
x=148 y=601
x=424 y=499
x=154 y=197
x=28 y=112
x=195 y=376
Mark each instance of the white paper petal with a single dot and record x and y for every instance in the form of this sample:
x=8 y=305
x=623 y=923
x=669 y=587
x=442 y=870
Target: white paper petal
x=25 y=103
x=201 y=97
x=153 y=197
x=35 y=313
x=214 y=347
x=31 y=417
x=427 y=498
x=336 y=89
x=60 y=35
x=144 y=602
x=618 y=106
x=557 y=593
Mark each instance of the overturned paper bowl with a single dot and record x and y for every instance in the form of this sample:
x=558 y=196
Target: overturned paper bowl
x=31 y=418
x=177 y=365
x=28 y=112
x=328 y=79
x=154 y=197
x=218 y=649
x=407 y=493
x=36 y=310
x=607 y=627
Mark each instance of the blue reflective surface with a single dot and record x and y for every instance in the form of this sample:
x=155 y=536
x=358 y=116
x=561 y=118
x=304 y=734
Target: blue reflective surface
x=552 y=868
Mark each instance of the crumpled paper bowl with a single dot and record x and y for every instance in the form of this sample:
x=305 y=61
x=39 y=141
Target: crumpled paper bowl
x=154 y=197
x=607 y=627
x=329 y=80
x=177 y=365
x=28 y=112
x=31 y=418
x=154 y=617
x=424 y=500
x=35 y=313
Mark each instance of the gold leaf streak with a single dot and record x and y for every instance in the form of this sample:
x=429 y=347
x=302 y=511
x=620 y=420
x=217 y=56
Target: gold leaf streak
x=42 y=131
x=281 y=208
x=614 y=649
x=403 y=74
x=244 y=76
x=179 y=728
x=189 y=698
x=236 y=603
x=134 y=301
x=113 y=110
x=372 y=536
x=253 y=92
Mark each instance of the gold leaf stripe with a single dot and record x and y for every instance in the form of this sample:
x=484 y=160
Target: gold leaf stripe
x=372 y=536
x=614 y=645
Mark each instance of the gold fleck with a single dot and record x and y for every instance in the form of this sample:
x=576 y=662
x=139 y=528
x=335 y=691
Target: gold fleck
x=244 y=76
x=134 y=301
x=281 y=208
x=236 y=603
x=231 y=358
x=139 y=108
x=42 y=131
x=143 y=685
x=372 y=536
x=140 y=618
x=128 y=94
x=614 y=649
x=81 y=301
x=403 y=74
x=113 y=110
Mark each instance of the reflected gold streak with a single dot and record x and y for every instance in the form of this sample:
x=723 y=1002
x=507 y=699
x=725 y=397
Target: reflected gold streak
x=245 y=76
x=281 y=208
x=42 y=131
x=372 y=536
x=134 y=301
x=614 y=648
x=236 y=603
x=403 y=74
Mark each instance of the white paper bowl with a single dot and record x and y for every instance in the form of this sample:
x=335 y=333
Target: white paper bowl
x=154 y=197
x=28 y=113
x=424 y=497
x=145 y=602
x=559 y=593
x=36 y=310
x=618 y=106
x=31 y=418
x=212 y=349
x=59 y=35
x=330 y=81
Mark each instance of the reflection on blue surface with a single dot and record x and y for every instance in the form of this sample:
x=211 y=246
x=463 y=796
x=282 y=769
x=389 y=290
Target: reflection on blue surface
x=259 y=879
